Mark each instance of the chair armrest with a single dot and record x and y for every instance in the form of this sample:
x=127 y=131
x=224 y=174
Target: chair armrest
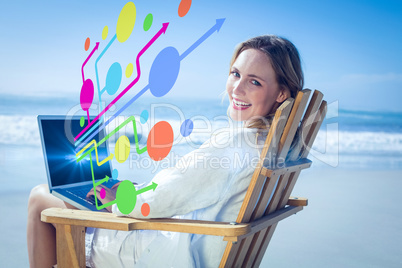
x=266 y=221
x=289 y=167
x=297 y=201
x=110 y=221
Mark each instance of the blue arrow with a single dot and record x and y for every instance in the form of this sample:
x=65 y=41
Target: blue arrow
x=214 y=28
x=96 y=69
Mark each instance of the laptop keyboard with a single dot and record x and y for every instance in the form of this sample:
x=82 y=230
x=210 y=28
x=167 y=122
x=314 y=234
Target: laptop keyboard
x=81 y=193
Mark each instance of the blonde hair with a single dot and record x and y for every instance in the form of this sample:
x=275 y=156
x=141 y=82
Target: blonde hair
x=285 y=61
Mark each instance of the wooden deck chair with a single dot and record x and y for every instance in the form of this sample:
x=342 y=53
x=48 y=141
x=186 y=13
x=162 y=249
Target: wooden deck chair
x=267 y=200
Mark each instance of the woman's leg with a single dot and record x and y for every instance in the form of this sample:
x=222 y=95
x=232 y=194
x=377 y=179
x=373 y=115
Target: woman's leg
x=41 y=236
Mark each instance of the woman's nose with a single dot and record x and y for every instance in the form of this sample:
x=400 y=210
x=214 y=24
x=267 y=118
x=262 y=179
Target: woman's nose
x=238 y=88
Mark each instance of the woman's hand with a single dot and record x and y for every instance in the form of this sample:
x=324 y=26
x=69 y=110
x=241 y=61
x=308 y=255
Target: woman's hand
x=109 y=196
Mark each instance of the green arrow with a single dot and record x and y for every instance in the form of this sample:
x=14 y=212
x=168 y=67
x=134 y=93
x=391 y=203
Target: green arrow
x=150 y=187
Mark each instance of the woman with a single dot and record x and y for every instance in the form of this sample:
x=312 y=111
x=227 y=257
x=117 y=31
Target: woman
x=264 y=72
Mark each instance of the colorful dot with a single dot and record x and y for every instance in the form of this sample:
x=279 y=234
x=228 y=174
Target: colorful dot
x=105 y=32
x=145 y=209
x=115 y=174
x=87 y=44
x=87 y=94
x=160 y=140
x=102 y=193
x=122 y=149
x=144 y=117
x=113 y=78
x=187 y=127
x=148 y=22
x=82 y=121
x=164 y=71
x=129 y=70
x=126 y=197
x=184 y=7
x=126 y=22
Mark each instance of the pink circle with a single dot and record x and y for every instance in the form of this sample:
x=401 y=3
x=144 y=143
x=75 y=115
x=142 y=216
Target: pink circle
x=102 y=193
x=87 y=94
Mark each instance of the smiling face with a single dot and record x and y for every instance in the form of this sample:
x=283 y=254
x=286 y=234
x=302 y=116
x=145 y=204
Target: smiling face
x=252 y=87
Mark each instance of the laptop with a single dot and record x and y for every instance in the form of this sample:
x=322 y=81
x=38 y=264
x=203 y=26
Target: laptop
x=68 y=179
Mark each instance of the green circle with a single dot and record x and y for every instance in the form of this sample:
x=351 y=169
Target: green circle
x=148 y=22
x=82 y=121
x=126 y=197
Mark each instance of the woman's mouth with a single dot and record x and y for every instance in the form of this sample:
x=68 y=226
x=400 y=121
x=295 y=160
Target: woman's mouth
x=240 y=105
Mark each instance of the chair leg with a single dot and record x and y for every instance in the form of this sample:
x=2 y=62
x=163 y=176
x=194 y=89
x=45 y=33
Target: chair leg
x=70 y=243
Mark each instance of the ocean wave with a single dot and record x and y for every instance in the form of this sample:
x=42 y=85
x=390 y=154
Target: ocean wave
x=355 y=142
x=19 y=130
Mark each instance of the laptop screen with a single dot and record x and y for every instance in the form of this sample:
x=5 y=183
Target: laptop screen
x=57 y=135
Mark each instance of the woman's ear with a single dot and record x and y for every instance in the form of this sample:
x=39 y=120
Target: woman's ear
x=283 y=95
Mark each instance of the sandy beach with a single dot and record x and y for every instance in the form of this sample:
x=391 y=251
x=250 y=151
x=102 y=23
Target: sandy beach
x=353 y=218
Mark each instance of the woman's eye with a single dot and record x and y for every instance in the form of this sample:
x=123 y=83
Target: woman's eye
x=256 y=83
x=236 y=74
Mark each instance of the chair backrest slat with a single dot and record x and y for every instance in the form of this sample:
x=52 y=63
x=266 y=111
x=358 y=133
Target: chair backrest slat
x=306 y=123
x=293 y=122
x=319 y=118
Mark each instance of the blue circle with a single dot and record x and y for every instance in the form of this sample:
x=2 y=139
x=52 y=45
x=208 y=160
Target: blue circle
x=115 y=174
x=186 y=128
x=113 y=78
x=144 y=117
x=164 y=71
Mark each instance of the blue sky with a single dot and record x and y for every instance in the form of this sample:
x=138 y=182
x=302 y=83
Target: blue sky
x=351 y=50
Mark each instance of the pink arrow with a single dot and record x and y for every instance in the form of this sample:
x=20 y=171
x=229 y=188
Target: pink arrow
x=85 y=62
x=137 y=61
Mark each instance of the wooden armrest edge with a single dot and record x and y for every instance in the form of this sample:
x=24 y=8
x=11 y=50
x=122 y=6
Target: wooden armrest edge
x=289 y=167
x=297 y=201
x=110 y=221
x=266 y=221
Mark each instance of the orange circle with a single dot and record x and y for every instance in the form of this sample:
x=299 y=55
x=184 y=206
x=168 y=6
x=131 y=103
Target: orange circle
x=145 y=209
x=184 y=7
x=87 y=43
x=160 y=140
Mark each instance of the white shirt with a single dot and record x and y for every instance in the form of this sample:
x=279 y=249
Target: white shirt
x=208 y=183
